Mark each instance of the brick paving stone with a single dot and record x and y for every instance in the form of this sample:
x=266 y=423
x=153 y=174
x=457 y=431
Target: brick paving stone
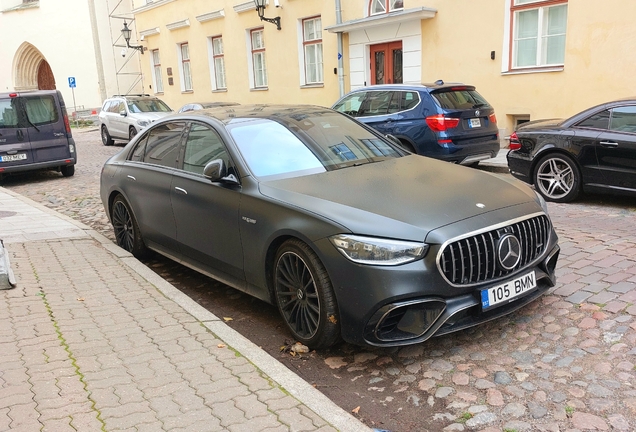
x=602 y=298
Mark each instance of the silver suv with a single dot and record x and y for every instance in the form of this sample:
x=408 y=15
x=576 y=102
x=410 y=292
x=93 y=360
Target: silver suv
x=123 y=116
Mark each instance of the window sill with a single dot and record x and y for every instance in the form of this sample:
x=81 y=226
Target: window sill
x=158 y=93
x=220 y=91
x=259 y=89
x=533 y=70
x=308 y=86
x=187 y=92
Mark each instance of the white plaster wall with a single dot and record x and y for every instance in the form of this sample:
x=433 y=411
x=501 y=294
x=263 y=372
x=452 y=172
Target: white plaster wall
x=409 y=33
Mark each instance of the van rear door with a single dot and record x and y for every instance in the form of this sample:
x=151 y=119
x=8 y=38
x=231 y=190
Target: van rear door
x=47 y=131
x=15 y=148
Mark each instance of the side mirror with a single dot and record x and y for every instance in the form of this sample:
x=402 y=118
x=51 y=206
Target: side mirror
x=122 y=113
x=394 y=140
x=215 y=170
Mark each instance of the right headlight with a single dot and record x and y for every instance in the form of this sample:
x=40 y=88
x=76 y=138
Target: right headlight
x=378 y=251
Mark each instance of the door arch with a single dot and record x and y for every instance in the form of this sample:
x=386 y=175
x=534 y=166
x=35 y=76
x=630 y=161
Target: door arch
x=30 y=69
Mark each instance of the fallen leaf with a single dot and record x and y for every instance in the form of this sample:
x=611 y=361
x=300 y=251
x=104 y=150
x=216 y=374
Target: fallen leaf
x=226 y=319
x=299 y=348
x=355 y=410
x=332 y=319
x=220 y=346
x=80 y=299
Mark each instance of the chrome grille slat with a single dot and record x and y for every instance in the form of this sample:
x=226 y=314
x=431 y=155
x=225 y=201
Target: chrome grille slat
x=472 y=260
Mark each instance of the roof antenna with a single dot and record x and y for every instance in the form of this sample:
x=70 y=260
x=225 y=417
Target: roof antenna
x=439 y=82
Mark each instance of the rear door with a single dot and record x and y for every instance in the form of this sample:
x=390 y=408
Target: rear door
x=15 y=148
x=46 y=128
x=380 y=110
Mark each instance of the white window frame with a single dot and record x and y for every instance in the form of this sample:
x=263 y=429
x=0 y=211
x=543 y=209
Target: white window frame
x=388 y=6
x=183 y=63
x=302 y=52
x=252 y=54
x=218 y=77
x=513 y=8
x=155 y=67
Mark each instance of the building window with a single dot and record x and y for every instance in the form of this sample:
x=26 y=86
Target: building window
x=312 y=44
x=156 y=72
x=385 y=6
x=186 y=71
x=258 y=58
x=538 y=33
x=219 y=63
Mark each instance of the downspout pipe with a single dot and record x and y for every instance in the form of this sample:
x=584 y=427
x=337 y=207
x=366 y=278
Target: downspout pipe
x=340 y=49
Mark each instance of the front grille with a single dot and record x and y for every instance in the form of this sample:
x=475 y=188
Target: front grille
x=474 y=259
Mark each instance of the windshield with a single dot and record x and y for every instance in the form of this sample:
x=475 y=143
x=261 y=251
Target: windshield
x=149 y=105
x=307 y=144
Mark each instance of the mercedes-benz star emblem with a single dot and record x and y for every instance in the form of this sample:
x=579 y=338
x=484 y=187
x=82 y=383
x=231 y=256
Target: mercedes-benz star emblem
x=508 y=251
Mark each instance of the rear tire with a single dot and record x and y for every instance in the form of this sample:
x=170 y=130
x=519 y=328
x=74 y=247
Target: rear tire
x=126 y=228
x=304 y=295
x=557 y=178
x=408 y=146
x=68 y=170
x=107 y=140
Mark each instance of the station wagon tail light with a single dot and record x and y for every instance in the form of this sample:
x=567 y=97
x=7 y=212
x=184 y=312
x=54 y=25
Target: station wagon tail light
x=377 y=251
x=439 y=123
x=493 y=118
x=515 y=144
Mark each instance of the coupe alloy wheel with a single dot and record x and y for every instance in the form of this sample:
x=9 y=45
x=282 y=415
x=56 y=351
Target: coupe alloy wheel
x=557 y=178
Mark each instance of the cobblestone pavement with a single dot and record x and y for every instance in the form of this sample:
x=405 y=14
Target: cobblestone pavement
x=565 y=363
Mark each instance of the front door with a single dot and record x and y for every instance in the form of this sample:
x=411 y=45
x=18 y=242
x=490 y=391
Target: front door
x=616 y=149
x=386 y=63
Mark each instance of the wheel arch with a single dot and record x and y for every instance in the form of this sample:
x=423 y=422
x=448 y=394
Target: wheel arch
x=548 y=150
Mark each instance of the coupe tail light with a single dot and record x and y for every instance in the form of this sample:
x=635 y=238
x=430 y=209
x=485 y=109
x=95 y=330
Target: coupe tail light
x=515 y=144
x=493 y=118
x=439 y=123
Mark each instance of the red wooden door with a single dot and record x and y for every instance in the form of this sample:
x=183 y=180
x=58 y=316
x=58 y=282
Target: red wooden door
x=386 y=63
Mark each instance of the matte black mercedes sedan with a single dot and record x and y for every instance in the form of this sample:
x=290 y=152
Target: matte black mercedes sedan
x=350 y=236
x=593 y=151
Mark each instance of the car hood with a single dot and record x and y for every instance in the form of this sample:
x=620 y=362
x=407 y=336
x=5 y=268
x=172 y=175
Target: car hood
x=152 y=116
x=400 y=198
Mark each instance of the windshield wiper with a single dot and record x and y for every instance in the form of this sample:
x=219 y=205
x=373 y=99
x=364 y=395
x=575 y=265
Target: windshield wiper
x=479 y=105
x=29 y=122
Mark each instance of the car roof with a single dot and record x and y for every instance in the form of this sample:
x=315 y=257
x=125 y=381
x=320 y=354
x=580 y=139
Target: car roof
x=28 y=93
x=428 y=87
x=228 y=113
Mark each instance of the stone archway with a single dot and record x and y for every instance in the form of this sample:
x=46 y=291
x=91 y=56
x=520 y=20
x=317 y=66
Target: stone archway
x=31 y=71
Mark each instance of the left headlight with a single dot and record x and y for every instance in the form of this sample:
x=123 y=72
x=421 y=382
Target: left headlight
x=377 y=251
x=143 y=123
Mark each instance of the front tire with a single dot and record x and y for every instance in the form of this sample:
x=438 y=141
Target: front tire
x=131 y=133
x=107 y=140
x=126 y=229
x=557 y=178
x=304 y=295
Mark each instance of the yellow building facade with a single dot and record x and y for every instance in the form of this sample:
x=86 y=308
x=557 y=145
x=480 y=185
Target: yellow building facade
x=530 y=59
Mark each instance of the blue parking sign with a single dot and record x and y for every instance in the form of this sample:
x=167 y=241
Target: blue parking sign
x=71 y=82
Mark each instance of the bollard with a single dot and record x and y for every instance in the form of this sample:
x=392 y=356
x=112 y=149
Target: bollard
x=7 y=279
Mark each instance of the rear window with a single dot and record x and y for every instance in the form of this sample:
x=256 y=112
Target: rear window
x=8 y=113
x=460 y=99
x=41 y=110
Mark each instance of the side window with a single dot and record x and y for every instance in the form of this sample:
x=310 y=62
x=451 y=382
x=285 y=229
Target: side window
x=351 y=104
x=203 y=145
x=41 y=110
x=121 y=107
x=376 y=103
x=137 y=154
x=624 y=119
x=8 y=113
x=409 y=100
x=597 y=121
x=162 y=146
x=114 y=107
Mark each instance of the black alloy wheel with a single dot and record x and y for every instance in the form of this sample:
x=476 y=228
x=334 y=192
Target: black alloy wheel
x=132 y=132
x=107 y=140
x=304 y=296
x=557 y=178
x=126 y=229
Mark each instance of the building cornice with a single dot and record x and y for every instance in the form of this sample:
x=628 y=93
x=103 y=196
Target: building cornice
x=149 y=32
x=152 y=5
x=211 y=16
x=244 y=7
x=383 y=19
x=178 y=24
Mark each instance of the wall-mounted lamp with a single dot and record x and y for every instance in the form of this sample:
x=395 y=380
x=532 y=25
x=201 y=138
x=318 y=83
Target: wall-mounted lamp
x=260 y=9
x=125 y=32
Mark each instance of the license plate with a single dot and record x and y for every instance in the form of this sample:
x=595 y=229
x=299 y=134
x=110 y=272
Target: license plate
x=15 y=157
x=474 y=123
x=504 y=293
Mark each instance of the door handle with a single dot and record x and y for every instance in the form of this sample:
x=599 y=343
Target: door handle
x=20 y=135
x=609 y=144
x=132 y=178
x=183 y=191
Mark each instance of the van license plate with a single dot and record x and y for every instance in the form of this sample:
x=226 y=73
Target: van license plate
x=15 y=157
x=506 y=292
x=474 y=123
